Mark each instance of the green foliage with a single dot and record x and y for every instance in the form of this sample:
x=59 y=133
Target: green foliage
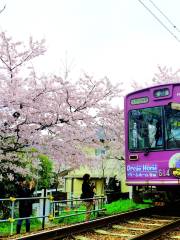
x=77 y=215
x=123 y=206
x=112 y=208
x=46 y=172
x=5 y=227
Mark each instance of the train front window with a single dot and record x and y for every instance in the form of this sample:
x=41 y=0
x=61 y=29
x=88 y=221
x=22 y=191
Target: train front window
x=145 y=129
x=172 y=126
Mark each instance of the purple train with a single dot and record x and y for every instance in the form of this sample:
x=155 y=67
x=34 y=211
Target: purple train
x=152 y=142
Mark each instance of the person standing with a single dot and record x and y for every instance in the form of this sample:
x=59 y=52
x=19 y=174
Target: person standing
x=25 y=189
x=158 y=135
x=87 y=195
x=152 y=133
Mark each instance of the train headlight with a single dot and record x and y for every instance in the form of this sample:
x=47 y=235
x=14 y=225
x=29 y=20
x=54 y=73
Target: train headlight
x=175 y=106
x=161 y=92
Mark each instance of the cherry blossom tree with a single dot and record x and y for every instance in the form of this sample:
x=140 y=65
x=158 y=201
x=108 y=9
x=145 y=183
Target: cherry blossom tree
x=51 y=114
x=110 y=142
x=164 y=75
x=113 y=126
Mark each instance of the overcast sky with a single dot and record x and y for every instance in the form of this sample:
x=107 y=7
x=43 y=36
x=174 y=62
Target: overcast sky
x=115 y=38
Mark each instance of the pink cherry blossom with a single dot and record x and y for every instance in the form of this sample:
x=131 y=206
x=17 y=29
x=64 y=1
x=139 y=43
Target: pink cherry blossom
x=56 y=116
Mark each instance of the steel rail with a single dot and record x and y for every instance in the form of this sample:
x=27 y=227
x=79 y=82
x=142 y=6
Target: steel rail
x=155 y=233
x=60 y=232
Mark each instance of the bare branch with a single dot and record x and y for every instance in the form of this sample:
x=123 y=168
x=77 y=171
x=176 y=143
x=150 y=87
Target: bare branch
x=2 y=9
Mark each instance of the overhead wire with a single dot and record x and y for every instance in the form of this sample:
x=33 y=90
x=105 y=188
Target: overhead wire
x=164 y=15
x=154 y=15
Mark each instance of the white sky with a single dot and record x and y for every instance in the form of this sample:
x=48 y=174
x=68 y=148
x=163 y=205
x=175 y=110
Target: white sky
x=115 y=38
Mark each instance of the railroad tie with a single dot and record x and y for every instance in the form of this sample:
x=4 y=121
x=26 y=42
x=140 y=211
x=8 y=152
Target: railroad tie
x=129 y=228
x=103 y=232
x=144 y=223
x=157 y=220
x=80 y=238
x=169 y=217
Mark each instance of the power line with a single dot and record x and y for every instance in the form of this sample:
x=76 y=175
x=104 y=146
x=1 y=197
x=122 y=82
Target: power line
x=160 y=21
x=174 y=26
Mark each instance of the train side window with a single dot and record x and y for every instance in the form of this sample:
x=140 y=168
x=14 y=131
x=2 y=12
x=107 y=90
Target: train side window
x=172 y=127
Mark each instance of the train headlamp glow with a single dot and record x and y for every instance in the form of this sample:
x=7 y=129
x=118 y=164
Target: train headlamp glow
x=161 y=92
x=175 y=106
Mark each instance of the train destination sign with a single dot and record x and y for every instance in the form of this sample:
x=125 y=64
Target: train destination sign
x=141 y=100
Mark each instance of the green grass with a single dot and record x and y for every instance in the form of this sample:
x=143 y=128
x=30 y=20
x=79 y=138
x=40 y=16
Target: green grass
x=5 y=227
x=123 y=206
x=112 y=208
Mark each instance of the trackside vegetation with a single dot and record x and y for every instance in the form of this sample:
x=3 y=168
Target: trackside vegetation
x=77 y=216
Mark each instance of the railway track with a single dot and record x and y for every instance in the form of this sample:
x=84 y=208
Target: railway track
x=68 y=231
x=174 y=234
x=141 y=224
x=141 y=229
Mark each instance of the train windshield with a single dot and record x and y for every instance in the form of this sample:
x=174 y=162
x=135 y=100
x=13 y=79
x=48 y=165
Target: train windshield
x=145 y=128
x=154 y=128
